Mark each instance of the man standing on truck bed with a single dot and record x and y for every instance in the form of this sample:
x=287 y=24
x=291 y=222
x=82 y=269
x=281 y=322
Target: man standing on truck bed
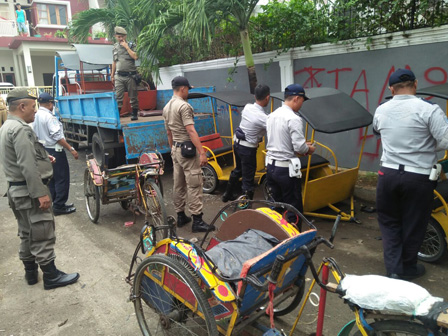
x=187 y=154
x=124 y=70
x=27 y=168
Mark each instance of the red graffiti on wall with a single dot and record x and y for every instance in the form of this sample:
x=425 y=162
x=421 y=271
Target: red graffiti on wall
x=433 y=76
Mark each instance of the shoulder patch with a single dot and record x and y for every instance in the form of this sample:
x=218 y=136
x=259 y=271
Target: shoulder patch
x=428 y=101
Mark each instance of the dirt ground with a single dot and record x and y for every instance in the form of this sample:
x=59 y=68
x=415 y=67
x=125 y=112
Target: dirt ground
x=98 y=303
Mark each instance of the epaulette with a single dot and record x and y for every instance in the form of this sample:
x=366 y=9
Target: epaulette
x=428 y=101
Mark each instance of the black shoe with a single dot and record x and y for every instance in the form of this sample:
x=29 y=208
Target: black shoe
x=200 y=226
x=413 y=272
x=69 y=205
x=54 y=278
x=182 y=219
x=63 y=211
x=134 y=114
x=229 y=194
x=394 y=276
x=410 y=273
x=31 y=272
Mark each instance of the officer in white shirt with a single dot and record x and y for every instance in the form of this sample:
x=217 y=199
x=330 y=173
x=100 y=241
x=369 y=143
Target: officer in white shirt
x=285 y=140
x=411 y=130
x=50 y=133
x=247 y=136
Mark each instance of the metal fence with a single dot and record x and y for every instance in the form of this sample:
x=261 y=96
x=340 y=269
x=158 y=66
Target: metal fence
x=38 y=89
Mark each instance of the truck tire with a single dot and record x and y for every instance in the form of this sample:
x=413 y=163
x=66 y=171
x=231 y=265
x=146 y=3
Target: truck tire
x=99 y=153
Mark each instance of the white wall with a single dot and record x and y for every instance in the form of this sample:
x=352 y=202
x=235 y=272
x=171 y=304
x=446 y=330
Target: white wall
x=41 y=65
x=6 y=61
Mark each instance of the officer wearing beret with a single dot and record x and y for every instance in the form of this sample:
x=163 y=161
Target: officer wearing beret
x=50 y=133
x=27 y=168
x=411 y=131
x=285 y=140
x=123 y=68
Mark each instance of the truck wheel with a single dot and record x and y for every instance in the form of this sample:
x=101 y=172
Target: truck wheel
x=99 y=153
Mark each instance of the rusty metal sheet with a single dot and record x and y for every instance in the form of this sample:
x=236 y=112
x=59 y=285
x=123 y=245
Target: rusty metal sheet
x=137 y=137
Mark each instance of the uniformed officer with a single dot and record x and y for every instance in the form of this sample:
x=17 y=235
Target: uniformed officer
x=3 y=112
x=50 y=133
x=123 y=70
x=187 y=174
x=285 y=140
x=27 y=168
x=411 y=130
x=247 y=136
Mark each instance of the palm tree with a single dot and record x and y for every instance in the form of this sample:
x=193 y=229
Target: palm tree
x=133 y=15
x=198 y=19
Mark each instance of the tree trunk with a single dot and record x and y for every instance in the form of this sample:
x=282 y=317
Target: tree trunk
x=245 y=41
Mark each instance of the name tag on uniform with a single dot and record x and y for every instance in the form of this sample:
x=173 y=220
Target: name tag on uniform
x=294 y=168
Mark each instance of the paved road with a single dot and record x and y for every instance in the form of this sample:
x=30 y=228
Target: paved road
x=97 y=304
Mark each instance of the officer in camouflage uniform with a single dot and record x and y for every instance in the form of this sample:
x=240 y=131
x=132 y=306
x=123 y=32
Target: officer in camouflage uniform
x=28 y=169
x=123 y=68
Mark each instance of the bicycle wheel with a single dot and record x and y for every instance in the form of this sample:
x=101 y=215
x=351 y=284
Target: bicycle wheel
x=395 y=328
x=156 y=208
x=92 y=196
x=434 y=245
x=210 y=179
x=167 y=286
x=291 y=303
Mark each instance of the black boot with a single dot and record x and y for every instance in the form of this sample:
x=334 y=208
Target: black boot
x=229 y=193
x=31 y=271
x=134 y=114
x=199 y=225
x=182 y=219
x=249 y=194
x=54 y=278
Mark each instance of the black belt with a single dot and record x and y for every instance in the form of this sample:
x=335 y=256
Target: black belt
x=23 y=183
x=126 y=73
x=177 y=144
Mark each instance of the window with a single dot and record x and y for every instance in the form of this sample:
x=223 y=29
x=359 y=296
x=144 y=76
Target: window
x=52 y=14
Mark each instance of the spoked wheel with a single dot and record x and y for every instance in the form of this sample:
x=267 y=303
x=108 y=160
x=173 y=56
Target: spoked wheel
x=156 y=208
x=266 y=191
x=92 y=196
x=396 y=328
x=168 y=299
x=210 y=179
x=290 y=303
x=434 y=245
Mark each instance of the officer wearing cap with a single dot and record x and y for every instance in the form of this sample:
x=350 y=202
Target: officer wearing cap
x=50 y=133
x=27 y=168
x=123 y=70
x=247 y=136
x=285 y=140
x=411 y=131
x=187 y=174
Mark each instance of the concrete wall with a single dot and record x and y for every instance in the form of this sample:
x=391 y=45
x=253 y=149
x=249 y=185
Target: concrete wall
x=41 y=65
x=361 y=70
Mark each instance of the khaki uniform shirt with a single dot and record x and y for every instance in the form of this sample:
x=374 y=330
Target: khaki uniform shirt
x=124 y=61
x=177 y=114
x=3 y=112
x=23 y=157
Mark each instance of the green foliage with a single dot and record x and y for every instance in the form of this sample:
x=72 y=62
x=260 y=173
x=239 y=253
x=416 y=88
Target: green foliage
x=100 y=34
x=60 y=34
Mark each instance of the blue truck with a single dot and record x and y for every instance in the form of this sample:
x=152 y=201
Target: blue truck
x=86 y=105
